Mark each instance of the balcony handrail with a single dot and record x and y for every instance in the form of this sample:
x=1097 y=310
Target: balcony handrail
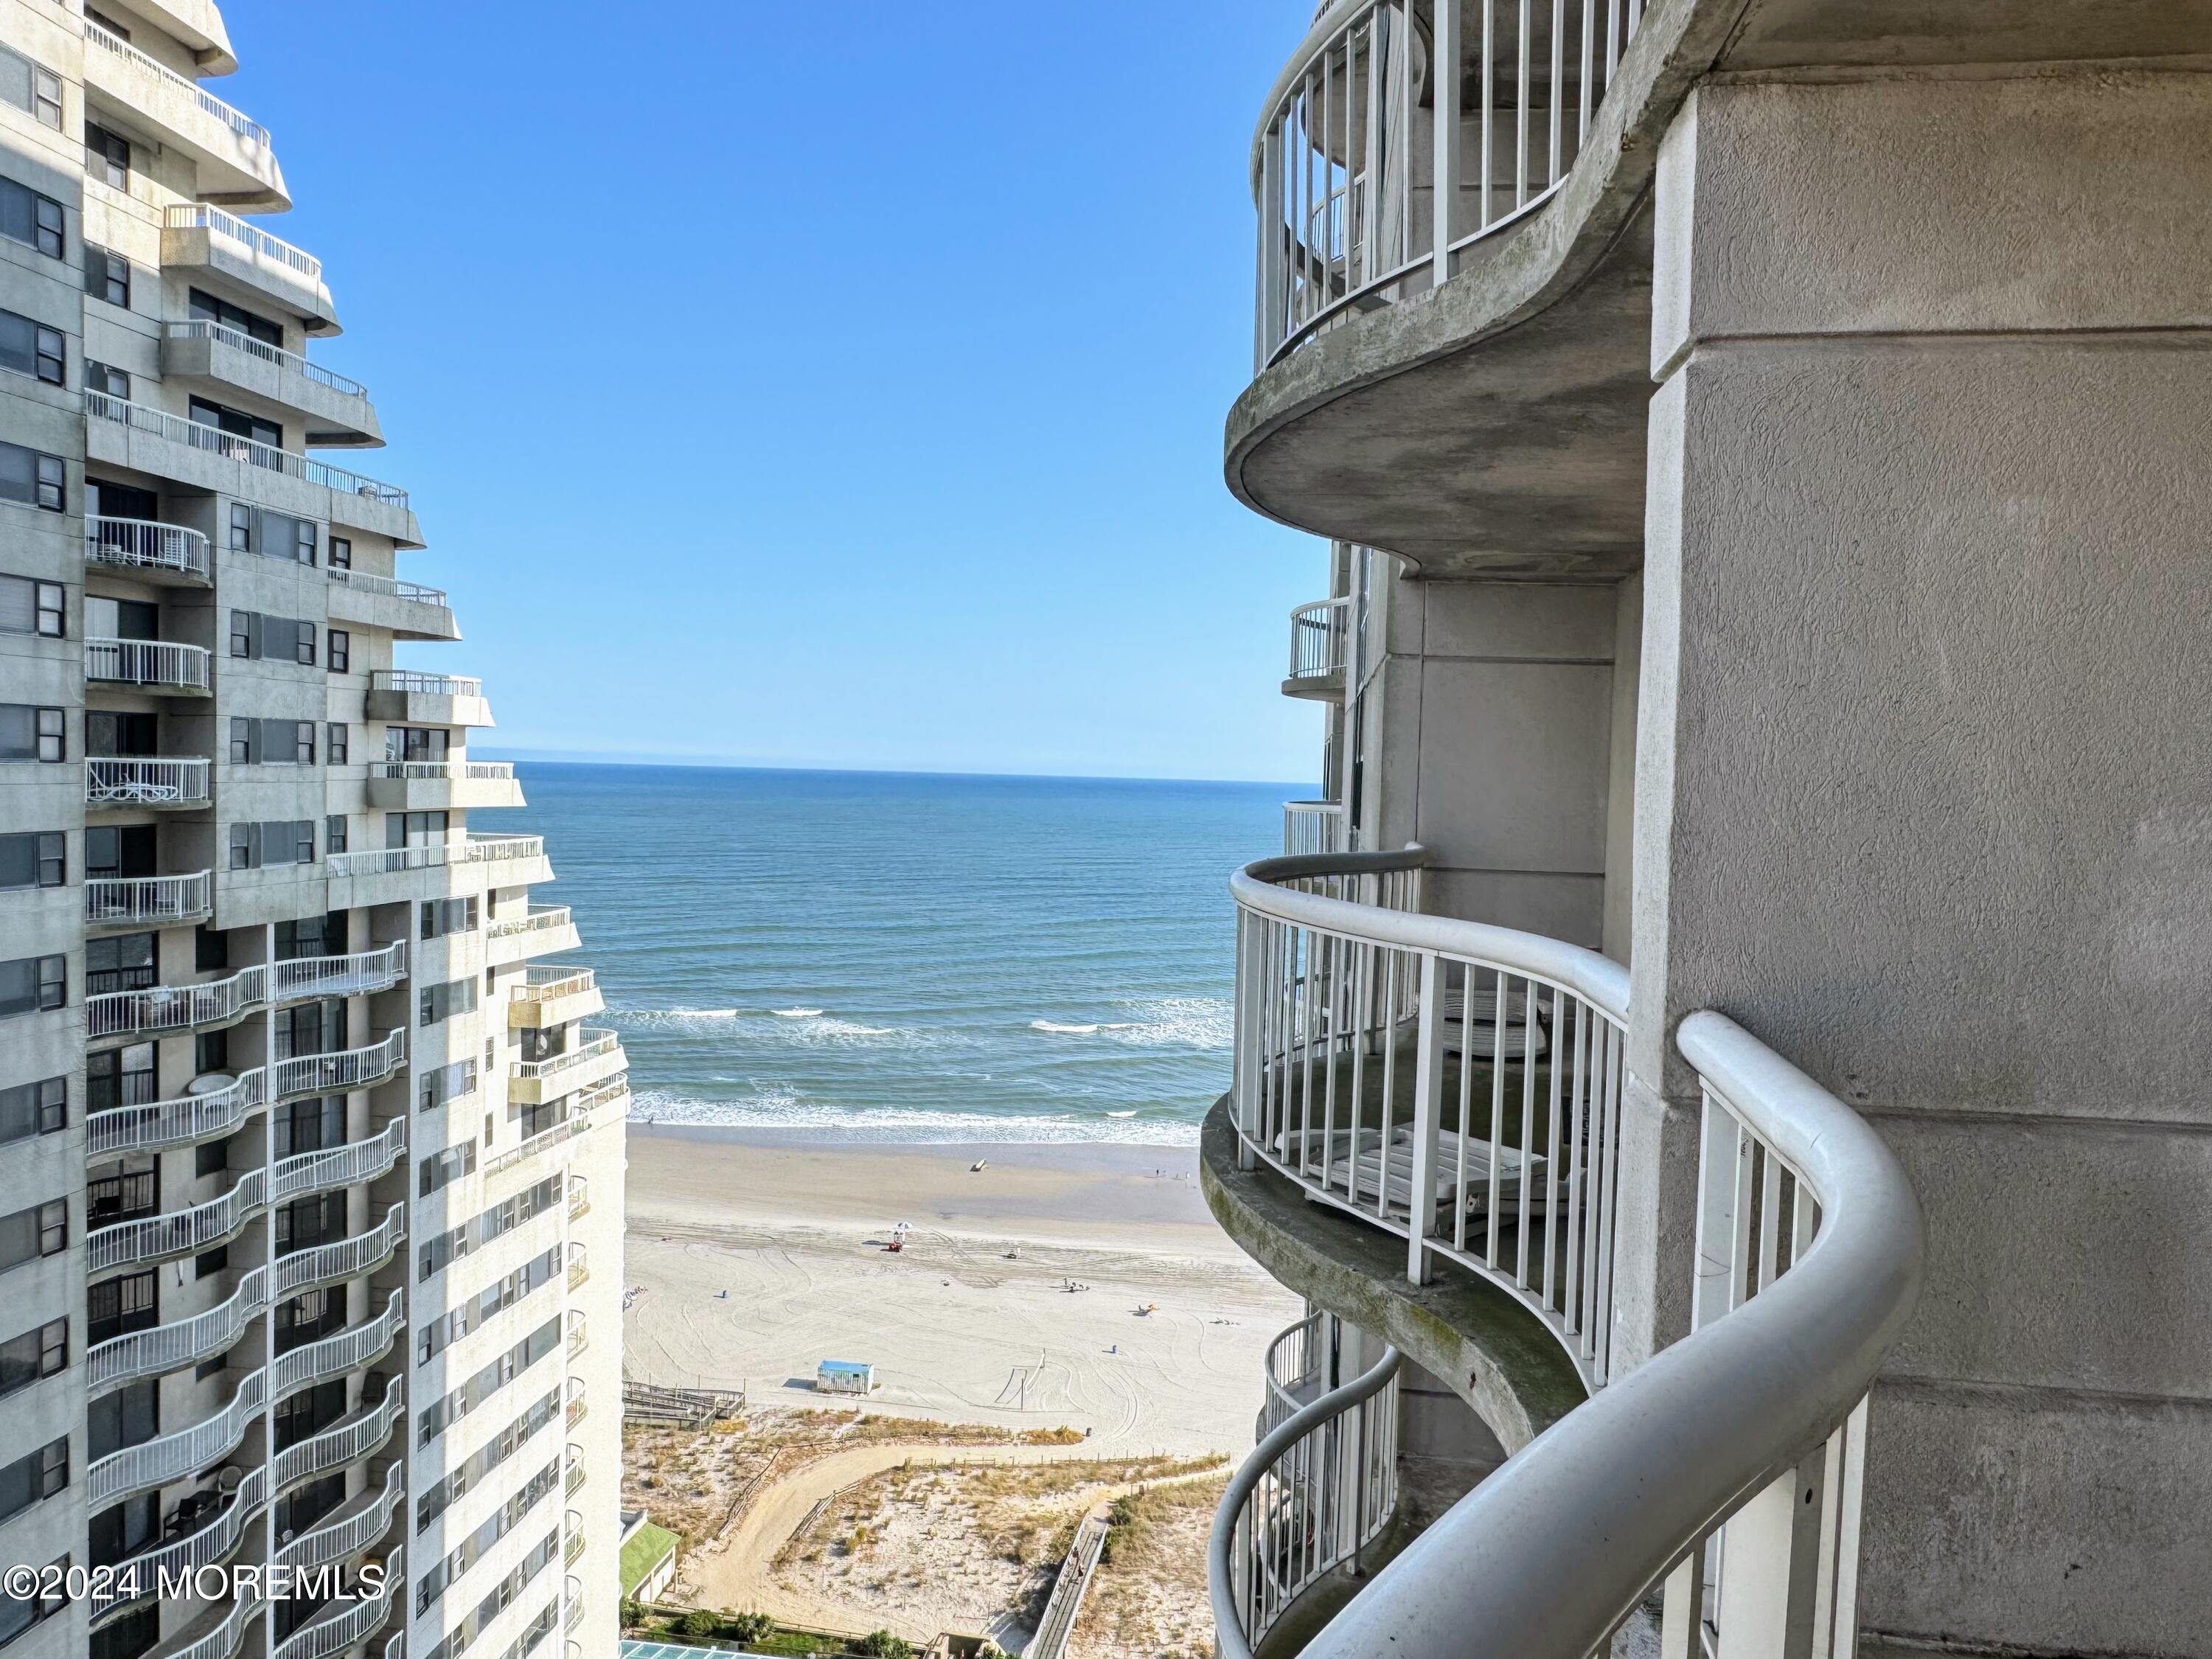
x=147 y=780
x=188 y=1554
x=354 y=975
x=198 y=215
x=231 y=447
x=475 y=849
x=181 y=1342
x=435 y=685
x=574 y=1124
x=1292 y=1364
x=333 y=1356
x=177 y=1232
x=538 y=917
x=346 y=1068
x=1312 y=827
x=1283 y=1522
x=344 y=1442
x=226 y=1638
x=448 y=768
x=173 y=1456
x=594 y=1043
x=336 y=1631
x=1552 y=1552
x=148 y=662
x=372 y=583
x=1319 y=632
x=334 y=1540
x=252 y=132
x=177 y=1122
x=109 y=899
x=201 y=328
x=549 y=982
x=147 y=543
x=338 y=1166
x=345 y=1258
x=173 y=1007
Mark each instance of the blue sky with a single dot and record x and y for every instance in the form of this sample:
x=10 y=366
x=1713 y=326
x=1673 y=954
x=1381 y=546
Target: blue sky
x=812 y=385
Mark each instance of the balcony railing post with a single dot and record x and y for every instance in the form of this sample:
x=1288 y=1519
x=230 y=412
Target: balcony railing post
x=1443 y=76
x=1428 y=1110
x=1248 y=1060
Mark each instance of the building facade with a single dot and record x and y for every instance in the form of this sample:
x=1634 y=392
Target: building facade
x=312 y=1181
x=1724 y=1057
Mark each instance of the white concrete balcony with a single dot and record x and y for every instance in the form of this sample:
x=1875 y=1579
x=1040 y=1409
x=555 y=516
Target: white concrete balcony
x=361 y=974
x=348 y=1441
x=348 y=1258
x=408 y=609
x=1319 y=647
x=598 y=1055
x=181 y=1342
x=235 y=159
x=408 y=698
x=149 y=900
x=338 y=1166
x=351 y=1527
x=579 y=1335
x=335 y=1355
x=543 y=930
x=196 y=239
x=182 y=1122
x=580 y=1196
x=1312 y=827
x=183 y=1007
x=163 y=665
x=151 y=551
x=338 y=1073
x=579 y=1267
x=554 y=996
x=179 y=1232
x=334 y=410
x=138 y=782
x=345 y=1623
x=573 y=1546
x=572 y=1592
x=206 y=456
x=388 y=876
x=210 y=1546
x=443 y=786
x=219 y=1634
x=170 y=1457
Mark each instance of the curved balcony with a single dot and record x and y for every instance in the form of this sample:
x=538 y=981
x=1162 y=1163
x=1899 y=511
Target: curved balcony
x=474 y=849
x=180 y=1343
x=334 y=1356
x=209 y=1546
x=577 y=1407
x=177 y=1122
x=580 y=1197
x=149 y=900
x=542 y=930
x=224 y=1637
x=347 y=1441
x=573 y=1546
x=353 y=1527
x=182 y=1232
x=443 y=786
x=1693 y=1471
x=348 y=1622
x=554 y=996
x=1312 y=828
x=146 y=780
x=579 y=1269
x=572 y=1590
x=598 y=1055
x=408 y=609
x=157 y=665
x=173 y=1456
x=149 y=550
x=575 y=1477
x=1319 y=1487
x=234 y=158
x=334 y=1073
x=1320 y=640
x=579 y=1335
x=360 y=974
x=348 y=1258
x=338 y=1166
x=176 y=1007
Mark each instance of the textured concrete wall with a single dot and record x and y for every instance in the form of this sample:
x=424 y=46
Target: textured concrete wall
x=1925 y=788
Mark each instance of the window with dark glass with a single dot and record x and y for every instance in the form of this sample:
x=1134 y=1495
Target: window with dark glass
x=235 y=422
x=41 y=1601
x=119 y=1076
x=210 y=1053
x=30 y=733
x=119 y=852
x=28 y=217
x=107 y=156
x=211 y=1158
x=212 y=308
x=27 y=606
x=124 y=1417
x=341 y=658
x=242 y=537
x=125 y=1195
x=120 y=962
x=334 y=833
x=211 y=948
x=334 y=743
x=29 y=347
x=108 y=618
x=116 y=1307
x=27 y=1479
x=40 y=1230
x=341 y=552
x=309 y=1318
x=310 y=1125
x=306 y=1224
x=114 y=1534
x=34 y=859
x=28 y=984
x=42 y=1350
x=108 y=381
x=303 y=1415
x=33 y=479
x=414 y=828
x=34 y=1108
x=415 y=743
x=31 y=87
x=107 y=733
x=107 y=275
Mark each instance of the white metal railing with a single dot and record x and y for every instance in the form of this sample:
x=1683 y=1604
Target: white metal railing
x=252 y=132
x=345 y=1259
x=334 y=1540
x=110 y=900
x=1318 y=635
x=451 y=770
x=580 y=1194
x=197 y=215
x=174 y=1007
x=579 y=1265
x=199 y=328
x=1455 y=1083
x=432 y=685
x=338 y=1166
x=182 y=1342
x=577 y=1406
x=146 y=544
x=579 y=1335
x=574 y=1124
x=116 y=781
x=347 y=1068
x=1321 y=1486
x=1312 y=827
x=144 y=1573
x=537 y=919
x=173 y=1456
x=336 y=1631
x=357 y=974
x=226 y=1638
x=1295 y=1365
x=179 y=1231
x=550 y=984
x=177 y=1122
x=229 y=445
x=352 y=1439
x=389 y=585
x=475 y=849
x=334 y=1356
x=1348 y=165
x=593 y=1044
x=148 y=662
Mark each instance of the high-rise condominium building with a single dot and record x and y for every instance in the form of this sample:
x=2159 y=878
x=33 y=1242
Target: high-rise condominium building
x=310 y=1180
x=1725 y=1058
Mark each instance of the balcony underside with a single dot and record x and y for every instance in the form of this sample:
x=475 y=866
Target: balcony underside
x=1317 y=687
x=1475 y=1338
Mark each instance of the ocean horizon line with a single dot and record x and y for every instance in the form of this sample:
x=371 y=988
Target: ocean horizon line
x=696 y=763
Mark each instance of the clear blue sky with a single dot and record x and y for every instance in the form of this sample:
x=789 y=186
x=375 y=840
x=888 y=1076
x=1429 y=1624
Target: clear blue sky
x=812 y=385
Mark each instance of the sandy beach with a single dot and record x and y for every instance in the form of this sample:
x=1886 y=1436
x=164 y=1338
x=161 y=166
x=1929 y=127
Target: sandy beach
x=755 y=1255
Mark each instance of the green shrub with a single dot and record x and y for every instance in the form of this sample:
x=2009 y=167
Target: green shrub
x=701 y=1621
x=748 y=1626
x=882 y=1645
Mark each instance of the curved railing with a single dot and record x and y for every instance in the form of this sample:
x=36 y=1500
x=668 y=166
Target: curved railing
x=446 y=771
x=1319 y=1488
x=334 y=1356
x=143 y=1575
x=591 y=1045
x=346 y=1443
x=173 y=1456
x=174 y=1007
x=1312 y=827
x=162 y=663
x=1294 y=1368
x=1455 y=1083
x=356 y=975
x=146 y=780
x=537 y=919
x=226 y=1638
x=147 y=544
x=164 y=901
x=1346 y=161
x=476 y=850
x=434 y=685
x=1318 y=639
x=339 y=1631
x=181 y=1342
x=250 y=130
x=177 y=1122
x=348 y=1068
x=338 y=1166
x=389 y=585
x=347 y=1258
x=180 y=1232
x=336 y=1540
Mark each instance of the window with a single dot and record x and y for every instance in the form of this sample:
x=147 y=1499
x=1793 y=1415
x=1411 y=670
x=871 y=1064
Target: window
x=43 y=1350
x=108 y=381
x=445 y=1168
x=31 y=347
x=303 y=741
x=282 y=840
x=414 y=828
x=211 y=1157
x=340 y=651
x=244 y=738
x=303 y=541
x=123 y=962
x=119 y=1076
x=334 y=832
x=107 y=156
x=27 y=1234
x=303 y=643
x=341 y=553
x=209 y=308
x=28 y=217
x=211 y=1052
x=32 y=607
x=30 y=733
x=441 y=1002
x=34 y=1108
x=236 y=422
x=244 y=632
x=35 y=858
x=210 y=948
x=311 y=936
x=244 y=847
x=20 y=1613
x=448 y=916
x=31 y=87
x=334 y=743
x=31 y=984
x=107 y=275
x=415 y=743
x=448 y=1083
x=27 y=1479
x=33 y=479
x=241 y=530
x=116 y=1307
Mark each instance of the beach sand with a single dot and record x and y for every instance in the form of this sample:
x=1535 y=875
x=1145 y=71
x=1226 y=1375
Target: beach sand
x=794 y=1231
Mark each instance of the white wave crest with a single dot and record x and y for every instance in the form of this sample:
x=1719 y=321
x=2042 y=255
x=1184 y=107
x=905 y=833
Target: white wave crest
x=1203 y=1023
x=796 y=1013
x=641 y=1019
x=772 y=1107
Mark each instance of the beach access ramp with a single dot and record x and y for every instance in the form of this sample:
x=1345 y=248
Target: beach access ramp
x=695 y=1408
x=1058 y=1623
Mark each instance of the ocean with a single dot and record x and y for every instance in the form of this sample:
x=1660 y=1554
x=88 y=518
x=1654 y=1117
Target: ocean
x=907 y=956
